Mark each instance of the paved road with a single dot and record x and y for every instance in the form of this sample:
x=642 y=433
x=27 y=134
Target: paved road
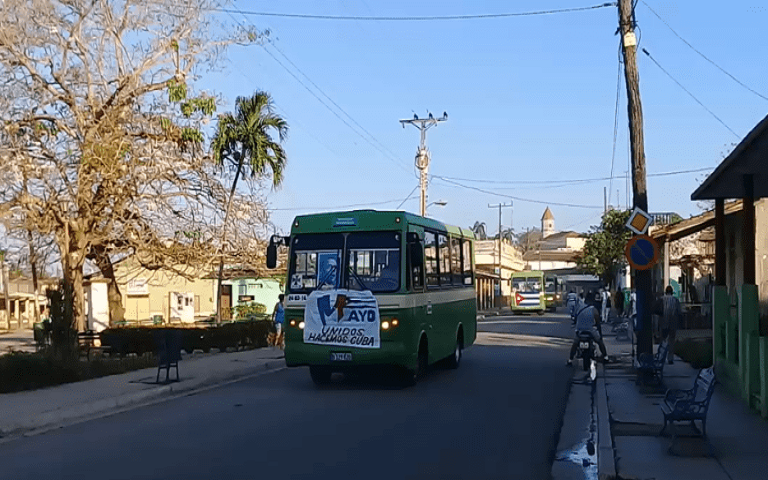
x=496 y=417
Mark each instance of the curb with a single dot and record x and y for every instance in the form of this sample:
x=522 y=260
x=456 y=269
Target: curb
x=110 y=406
x=606 y=459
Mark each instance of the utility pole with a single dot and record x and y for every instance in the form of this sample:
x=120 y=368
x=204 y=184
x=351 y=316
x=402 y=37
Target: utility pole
x=637 y=149
x=422 y=154
x=500 y=206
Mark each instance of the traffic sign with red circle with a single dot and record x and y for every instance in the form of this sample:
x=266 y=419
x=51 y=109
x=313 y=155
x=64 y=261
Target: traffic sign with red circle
x=642 y=252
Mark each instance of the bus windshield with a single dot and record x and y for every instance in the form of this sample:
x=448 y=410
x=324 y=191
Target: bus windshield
x=551 y=285
x=527 y=284
x=372 y=260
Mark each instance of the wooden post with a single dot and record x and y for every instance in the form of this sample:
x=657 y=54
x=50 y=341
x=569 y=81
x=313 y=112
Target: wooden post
x=643 y=278
x=749 y=230
x=720 y=242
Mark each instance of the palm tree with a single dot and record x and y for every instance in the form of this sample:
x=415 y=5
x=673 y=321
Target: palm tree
x=243 y=142
x=479 y=229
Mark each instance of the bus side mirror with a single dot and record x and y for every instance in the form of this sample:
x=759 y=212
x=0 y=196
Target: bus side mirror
x=272 y=256
x=274 y=241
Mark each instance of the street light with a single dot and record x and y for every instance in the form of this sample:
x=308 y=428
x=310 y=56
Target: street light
x=439 y=203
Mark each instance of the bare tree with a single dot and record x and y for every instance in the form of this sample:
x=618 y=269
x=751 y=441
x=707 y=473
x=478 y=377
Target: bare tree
x=101 y=142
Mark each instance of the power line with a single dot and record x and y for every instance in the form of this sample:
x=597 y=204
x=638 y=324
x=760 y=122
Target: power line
x=408 y=197
x=389 y=155
x=702 y=55
x=338 y=207
x=574 y=181
x=305 y=16
x=615 y=119
x=529 y=200
x=690 y=94
x=334 y=111
x=331 y=100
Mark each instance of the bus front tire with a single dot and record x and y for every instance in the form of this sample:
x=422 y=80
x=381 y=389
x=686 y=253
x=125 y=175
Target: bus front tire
x=413 y=375
x=320 y=375
x=454 y=360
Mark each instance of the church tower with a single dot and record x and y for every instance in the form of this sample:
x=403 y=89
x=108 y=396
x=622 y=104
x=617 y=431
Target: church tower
x=547 y=223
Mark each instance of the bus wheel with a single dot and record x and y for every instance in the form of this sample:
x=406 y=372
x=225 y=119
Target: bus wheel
x=320 y=375
x=413 y=375
x=455 y=359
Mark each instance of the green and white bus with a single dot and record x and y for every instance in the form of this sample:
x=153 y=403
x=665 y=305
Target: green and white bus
x=373 y=289
x=536 y=291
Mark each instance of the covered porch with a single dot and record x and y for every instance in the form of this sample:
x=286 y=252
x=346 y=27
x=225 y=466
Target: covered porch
x=740 y=294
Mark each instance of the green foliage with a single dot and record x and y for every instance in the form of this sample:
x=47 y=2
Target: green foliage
x=176 y=91
x=205 y=105
x=604 y=249
x=253 y=309
x=189 y=134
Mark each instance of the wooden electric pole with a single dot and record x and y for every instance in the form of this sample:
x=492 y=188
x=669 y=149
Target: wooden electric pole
x=639 y=193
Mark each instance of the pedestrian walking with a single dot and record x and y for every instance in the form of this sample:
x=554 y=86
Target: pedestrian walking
x=605 y=303
x=619 y=303
x=669 y=321
x=570 y=302
x=278 y=317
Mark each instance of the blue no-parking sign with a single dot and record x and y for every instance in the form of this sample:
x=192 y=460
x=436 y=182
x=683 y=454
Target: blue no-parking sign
x=642 y=252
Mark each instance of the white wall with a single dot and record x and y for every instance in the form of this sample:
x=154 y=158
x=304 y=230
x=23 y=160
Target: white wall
x=97 y=307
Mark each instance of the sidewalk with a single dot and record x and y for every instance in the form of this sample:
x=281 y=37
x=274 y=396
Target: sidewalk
x=737 y=437
x=35 y=410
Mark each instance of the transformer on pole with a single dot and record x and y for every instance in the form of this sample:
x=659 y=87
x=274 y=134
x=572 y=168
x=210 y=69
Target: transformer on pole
x=422 y=153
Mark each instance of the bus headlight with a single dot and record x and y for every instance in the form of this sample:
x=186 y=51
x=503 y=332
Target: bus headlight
x=385 y=325
x=301 y=325
x=292 y=323
x=394 y=322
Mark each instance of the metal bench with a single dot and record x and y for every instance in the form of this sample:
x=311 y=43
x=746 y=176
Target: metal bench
x=692 y=404
x=86 y=343
x=654 y=365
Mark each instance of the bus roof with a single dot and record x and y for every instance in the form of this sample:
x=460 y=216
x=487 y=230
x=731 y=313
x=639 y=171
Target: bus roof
x=355 y=220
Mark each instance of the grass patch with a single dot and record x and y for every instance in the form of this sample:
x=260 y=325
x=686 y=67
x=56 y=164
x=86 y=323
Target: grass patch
x=697 y=353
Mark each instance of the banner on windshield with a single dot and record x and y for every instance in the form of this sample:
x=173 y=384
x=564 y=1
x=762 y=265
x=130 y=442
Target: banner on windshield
x=343 y=318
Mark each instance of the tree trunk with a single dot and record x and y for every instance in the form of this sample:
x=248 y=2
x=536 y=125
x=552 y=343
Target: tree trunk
x=72 y=248
x=33 y=264
x=224 y=239
x=114 y=298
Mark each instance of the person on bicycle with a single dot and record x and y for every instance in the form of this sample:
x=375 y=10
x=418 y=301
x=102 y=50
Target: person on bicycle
x=587 y=318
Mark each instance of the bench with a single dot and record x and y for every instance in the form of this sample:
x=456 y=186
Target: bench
x=654 y=365
x=86 y=343
x=692 y=404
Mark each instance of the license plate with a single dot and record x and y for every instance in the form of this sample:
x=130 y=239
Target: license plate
x=584 y=345
x=341 y=357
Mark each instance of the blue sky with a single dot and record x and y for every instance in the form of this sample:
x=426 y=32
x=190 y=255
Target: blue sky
x=529 y=98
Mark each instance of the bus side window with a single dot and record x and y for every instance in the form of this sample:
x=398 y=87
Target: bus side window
x=430 y=259
x=466 y=261
x=445 y=261
x=456 y=261
x=415 y=264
